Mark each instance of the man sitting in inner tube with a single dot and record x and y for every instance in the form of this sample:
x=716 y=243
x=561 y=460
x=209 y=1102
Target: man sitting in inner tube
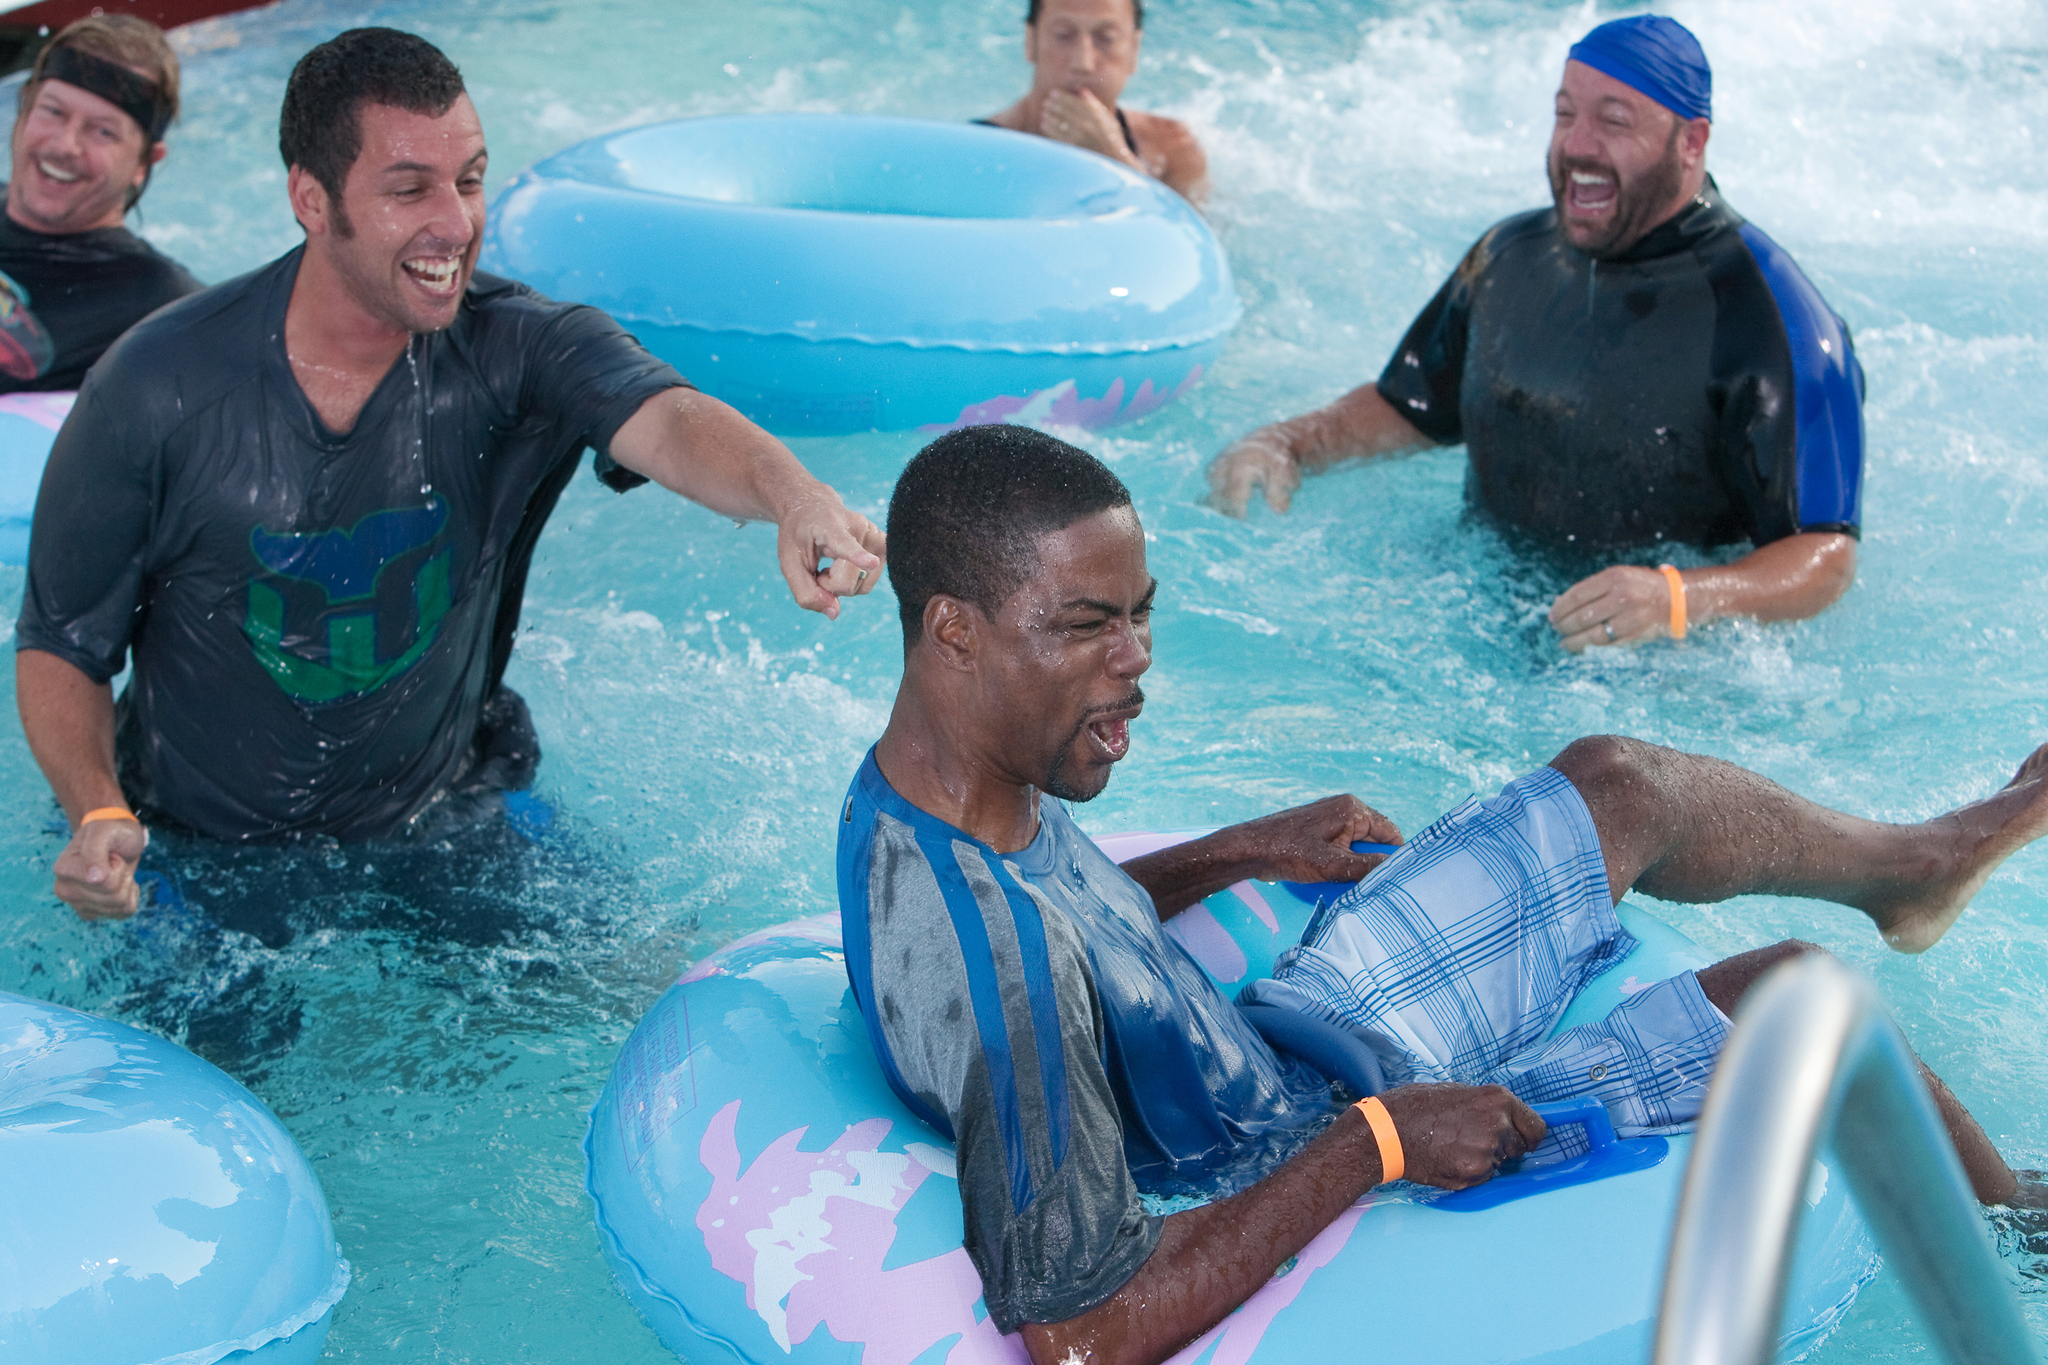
x=1082 y=54
x=89 y=131
x=306 y=501
x=1633 y=366
x=1021 y=996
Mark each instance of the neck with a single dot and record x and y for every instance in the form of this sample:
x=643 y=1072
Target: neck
x=20 y=218
x=931 y=756
x=325 y=327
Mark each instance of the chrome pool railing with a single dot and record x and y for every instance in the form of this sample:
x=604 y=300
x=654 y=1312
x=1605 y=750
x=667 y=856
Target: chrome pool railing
x=1814 y=1058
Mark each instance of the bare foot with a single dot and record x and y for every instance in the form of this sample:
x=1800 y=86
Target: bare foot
x=1987 y=833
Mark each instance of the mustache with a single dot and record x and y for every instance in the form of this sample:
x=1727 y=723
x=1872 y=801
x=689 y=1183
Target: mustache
x=1134 y=698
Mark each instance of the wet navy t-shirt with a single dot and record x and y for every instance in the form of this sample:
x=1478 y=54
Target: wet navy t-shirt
x=1697 y=388
x=1029 y=1006
x=316 y=620
x=72 y=294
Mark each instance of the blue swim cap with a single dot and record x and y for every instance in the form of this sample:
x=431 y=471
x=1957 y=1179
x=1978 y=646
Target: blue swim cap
x=1655 y=55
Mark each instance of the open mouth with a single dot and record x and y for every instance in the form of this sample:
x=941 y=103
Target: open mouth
x=1109 y=728
x=1111 y=737
x=1591 y=192
x=437 y=273
x=52 y=171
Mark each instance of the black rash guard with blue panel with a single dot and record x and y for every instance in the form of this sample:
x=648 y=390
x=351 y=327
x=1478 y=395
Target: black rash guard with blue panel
x=319 y=623
x=1696 y=388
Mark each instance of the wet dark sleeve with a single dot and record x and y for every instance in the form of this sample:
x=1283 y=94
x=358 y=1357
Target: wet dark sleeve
x=1790 y=393
x=590 y=375
x=1006 y=1045
x=1423 y=379
x=89 y=541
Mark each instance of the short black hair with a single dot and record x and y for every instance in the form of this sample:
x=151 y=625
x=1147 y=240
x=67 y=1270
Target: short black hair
x=1137 y=12
x=319 y=127
x=969 y=508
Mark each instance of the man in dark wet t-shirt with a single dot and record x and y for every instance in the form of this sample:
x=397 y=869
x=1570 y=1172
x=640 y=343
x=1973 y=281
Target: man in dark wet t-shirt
x=1634 y=366
x=301 y=505
x=89 y=131
x=1022 y=998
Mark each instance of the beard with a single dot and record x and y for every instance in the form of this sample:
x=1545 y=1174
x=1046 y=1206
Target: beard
x=1057 y=782
x=1638 y=204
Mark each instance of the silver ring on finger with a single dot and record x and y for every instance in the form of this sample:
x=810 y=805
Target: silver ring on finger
x=1608 y=626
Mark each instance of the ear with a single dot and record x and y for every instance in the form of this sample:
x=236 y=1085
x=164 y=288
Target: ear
x=156 y=152
x=953 y=631
x=1694 y=141
x=308 y=199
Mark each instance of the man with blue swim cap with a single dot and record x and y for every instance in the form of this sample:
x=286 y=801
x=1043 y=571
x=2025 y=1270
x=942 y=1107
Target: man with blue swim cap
x=1022 y=998
x=300 y=507
x=1632 y=367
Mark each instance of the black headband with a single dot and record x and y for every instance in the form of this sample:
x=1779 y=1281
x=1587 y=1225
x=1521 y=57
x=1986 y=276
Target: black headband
x=115 y=84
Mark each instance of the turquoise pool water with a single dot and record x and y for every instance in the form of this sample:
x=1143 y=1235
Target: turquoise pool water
x=435 y=1048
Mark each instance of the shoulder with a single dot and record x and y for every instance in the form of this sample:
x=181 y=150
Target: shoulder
x=1168 y=136
x=159 y=273
x=1535 y=229
x=1011 y=118
x=193 y=348
x=1796 y=295
x=1170 y=149
x=502 y=314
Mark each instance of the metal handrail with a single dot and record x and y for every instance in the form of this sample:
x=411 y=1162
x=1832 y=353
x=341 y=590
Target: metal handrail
x=1815 y=1058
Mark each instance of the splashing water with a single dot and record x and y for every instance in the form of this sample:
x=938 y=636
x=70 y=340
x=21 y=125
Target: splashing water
x=433 y=1031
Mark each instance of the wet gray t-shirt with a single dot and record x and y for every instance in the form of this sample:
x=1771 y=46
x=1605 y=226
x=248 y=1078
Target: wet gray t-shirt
x=316 y=620
x=1030 y=1006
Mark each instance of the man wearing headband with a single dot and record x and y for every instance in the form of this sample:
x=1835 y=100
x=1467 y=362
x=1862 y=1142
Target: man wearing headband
x=1634 y=366
x=300 y=506
x=89 y=131
x=1082 y=54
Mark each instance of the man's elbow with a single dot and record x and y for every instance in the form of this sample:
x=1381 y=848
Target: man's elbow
x=1817 y=578
x=1834 y=563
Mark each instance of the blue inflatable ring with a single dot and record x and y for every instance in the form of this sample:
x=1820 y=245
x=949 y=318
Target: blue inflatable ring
x=762 y=1196
x=28 y=424
x=827 y=274
x=152 y=1211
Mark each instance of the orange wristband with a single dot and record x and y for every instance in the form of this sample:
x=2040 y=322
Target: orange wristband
x=108 y=813
x=1671 y=576
x=1392 y=1163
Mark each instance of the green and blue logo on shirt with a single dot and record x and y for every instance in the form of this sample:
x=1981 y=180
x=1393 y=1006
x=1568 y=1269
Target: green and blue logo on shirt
x=348 y=631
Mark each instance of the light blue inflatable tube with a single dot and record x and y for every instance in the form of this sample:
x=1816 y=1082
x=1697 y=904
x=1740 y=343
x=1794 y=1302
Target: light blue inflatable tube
x=28 y=426
x=152 y=1211
x=762 y=1196
x=826 y=273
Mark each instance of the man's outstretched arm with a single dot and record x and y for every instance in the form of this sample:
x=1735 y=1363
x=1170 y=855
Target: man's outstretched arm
x=1309 y=843
x=1786 y=580
x=69 y=721
x=1210 y=1260
x=692 y=444
x=1360 y=425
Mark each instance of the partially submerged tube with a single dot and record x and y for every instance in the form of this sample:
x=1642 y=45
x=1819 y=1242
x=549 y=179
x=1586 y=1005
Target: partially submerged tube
x=763 y=1196
x=152 y=1211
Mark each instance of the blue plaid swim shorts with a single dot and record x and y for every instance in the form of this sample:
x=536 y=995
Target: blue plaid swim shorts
x=1455 y=958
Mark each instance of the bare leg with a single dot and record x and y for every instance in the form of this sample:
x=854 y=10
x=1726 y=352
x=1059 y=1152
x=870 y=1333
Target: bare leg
x=1687 y=828
x=1994 y=1182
